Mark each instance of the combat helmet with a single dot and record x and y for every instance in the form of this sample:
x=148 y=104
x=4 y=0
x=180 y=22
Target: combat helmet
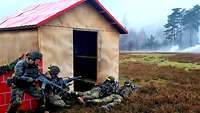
x=127 y=83
x=110 y=78
x=34 y=55
x=53 y=70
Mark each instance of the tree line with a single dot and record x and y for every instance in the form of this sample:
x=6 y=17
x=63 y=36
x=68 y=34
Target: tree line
x=181 y=29
x=183 y=26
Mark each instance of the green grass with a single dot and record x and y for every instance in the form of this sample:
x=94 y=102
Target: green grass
x=157 y=59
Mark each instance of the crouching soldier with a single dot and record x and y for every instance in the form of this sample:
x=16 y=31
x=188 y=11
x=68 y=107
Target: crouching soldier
x=122 y=93
x=59 y=97
x=108 y=87
x=26 y=70
x=53 y=94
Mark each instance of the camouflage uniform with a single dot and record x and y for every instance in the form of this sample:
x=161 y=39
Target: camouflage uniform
x=53 y=94
x=63 y=96
x=31 y=71
x=91 y=94
x=108 y=87
x=122 y=93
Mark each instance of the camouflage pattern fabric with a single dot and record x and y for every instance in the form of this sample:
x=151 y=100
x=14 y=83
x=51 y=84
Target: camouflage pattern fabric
x=70 y=98
x=109 y=101
x=108 y=88
x=56 y=101
x=91 y=94
x=22 y=68
x=4 y=69
x=125 y=91
x=17 y=96
x=105 y=89
x=54 y=95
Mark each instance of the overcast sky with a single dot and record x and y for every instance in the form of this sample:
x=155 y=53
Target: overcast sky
x=139 y=13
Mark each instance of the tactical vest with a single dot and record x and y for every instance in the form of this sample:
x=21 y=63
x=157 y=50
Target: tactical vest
x=125 y=92
x=27 y=71
x=108 y=88
x=31 y=71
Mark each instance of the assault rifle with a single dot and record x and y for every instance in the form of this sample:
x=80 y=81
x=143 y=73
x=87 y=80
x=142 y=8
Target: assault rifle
x=44 y=81
x=66 y=82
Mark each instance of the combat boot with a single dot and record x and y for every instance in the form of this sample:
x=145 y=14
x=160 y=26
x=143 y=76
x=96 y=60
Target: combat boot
x=81 y=100
x=12 y=109
x=105 y=108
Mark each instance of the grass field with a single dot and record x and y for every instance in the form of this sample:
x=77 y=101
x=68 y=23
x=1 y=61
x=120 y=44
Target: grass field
x=170 y=83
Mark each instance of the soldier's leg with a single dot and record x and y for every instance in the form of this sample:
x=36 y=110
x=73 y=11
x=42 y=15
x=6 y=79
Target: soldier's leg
x=116 y=99
x=37 y=93
x=102 y=100
x=56 y=100
x=92 y=94
x=16 y=99
x=88 y=95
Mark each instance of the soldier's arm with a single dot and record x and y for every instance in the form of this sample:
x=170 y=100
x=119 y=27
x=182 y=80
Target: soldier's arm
x=13 y=64
x=8 y=67
x=4 y=69
x=19 y=69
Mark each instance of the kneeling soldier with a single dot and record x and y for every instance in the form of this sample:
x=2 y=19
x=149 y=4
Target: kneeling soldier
x=26 y=70
x=52 y=93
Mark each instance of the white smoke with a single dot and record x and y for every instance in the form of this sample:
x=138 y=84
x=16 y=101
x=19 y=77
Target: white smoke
x=194 y=49
x=174 y=48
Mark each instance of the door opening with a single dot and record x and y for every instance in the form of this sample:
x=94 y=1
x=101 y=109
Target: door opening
x=85 y=59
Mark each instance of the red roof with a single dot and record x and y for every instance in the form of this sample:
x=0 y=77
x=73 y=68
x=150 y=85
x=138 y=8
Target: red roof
x=37 y=15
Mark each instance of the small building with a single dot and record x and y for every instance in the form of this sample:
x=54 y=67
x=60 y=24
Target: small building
x=80 y=36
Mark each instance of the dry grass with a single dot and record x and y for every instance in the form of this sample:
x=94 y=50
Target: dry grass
x=164 y=89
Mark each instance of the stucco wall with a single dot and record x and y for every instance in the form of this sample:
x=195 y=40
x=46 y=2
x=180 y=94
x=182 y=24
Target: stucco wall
x=56 y=46
x=108 y=55
x=14 y=43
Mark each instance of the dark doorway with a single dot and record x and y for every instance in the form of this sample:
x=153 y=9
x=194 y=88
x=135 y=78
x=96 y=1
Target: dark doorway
x=85 y=59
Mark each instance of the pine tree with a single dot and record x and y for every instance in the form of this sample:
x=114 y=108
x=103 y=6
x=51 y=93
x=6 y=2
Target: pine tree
x=174 y=25
x=191 y=23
